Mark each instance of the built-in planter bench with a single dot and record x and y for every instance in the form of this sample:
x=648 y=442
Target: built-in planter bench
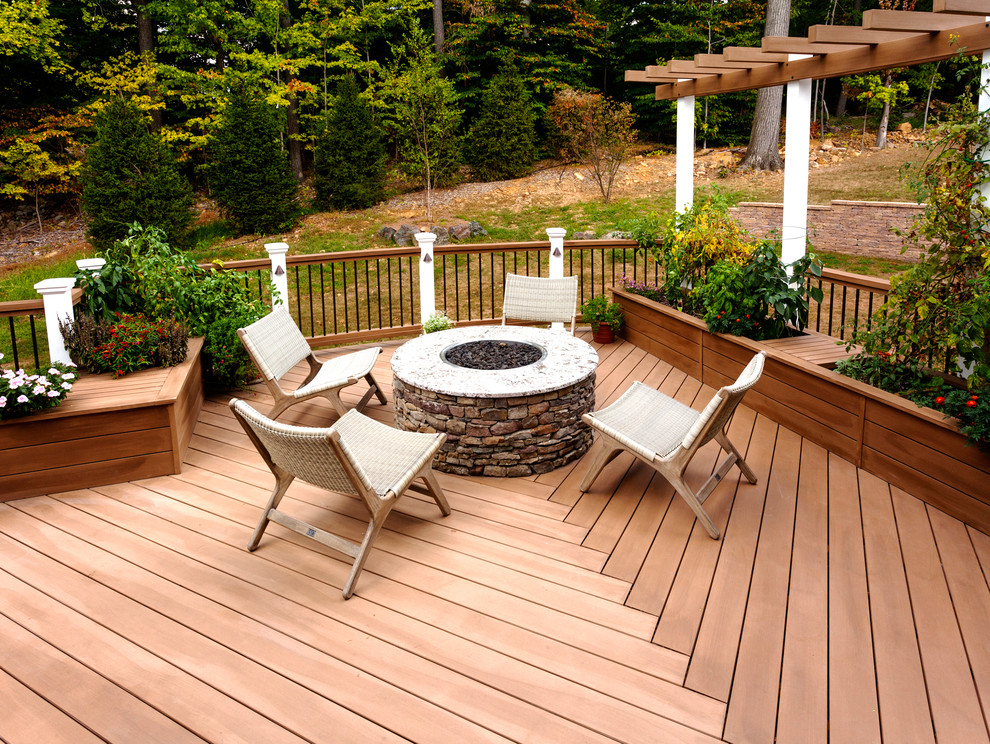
x=106 y=431
x=916 y=449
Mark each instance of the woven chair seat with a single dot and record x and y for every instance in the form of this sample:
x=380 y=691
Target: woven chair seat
x=339 y=371
x=666 y=435
x=646 y=421
x=540 y=299
x=276 y=346
x=357 y=456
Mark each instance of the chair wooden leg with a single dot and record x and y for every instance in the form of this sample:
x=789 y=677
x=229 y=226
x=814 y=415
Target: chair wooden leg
x=687 y=494
x=377 y=388
x=605 y=455
x=281 y=486
x=338 y=405
x=435 y=490
x=374 y=527
x=725 y=444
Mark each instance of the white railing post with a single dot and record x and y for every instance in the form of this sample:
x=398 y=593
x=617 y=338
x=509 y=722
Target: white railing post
x=556 y=235
x=57 y=296
x=91 y=264
x=427 y=292
x=797 y=146
x=280 y=278
x=684 y=158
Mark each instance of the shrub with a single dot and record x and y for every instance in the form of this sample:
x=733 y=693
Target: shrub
x=129 y=343
x=23 y=393
x=349 y=172
x=438 y=321
x=228 y=365
x=503 y=137
x=250 y=174
x=130 y=174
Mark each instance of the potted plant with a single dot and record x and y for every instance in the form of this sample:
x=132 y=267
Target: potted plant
x=604 y=316
x=438 y=321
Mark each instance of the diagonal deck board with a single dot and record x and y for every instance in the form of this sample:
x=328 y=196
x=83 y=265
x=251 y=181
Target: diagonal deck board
x=835 y=608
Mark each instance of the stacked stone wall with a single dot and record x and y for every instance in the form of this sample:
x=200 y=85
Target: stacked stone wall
x=500 y=436
x=853 y=227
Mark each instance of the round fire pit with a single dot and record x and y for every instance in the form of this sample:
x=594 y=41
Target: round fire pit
x=512 y=421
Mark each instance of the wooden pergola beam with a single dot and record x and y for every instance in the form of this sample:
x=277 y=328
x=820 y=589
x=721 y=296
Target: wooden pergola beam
x=959 y=33
x=751 y=54
x=913 y=20
x=854 y=35
x=679 y=66
x=719 y=60
x=965 y=7
x=797 y=45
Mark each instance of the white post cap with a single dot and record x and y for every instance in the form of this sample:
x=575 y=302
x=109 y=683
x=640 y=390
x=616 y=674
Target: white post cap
x=276 y=248
x=54 y=286
x=556 y=232
x=91 y=264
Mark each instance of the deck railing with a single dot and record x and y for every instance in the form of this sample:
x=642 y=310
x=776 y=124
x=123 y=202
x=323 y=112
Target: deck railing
x=353 y=296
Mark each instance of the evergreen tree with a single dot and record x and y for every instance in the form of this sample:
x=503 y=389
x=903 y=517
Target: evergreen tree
x=350 y=154
x=250 y=175
x=503 y=138
x=131 y=176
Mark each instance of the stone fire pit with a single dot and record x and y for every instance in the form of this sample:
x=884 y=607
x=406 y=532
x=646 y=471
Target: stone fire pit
x=499 y=422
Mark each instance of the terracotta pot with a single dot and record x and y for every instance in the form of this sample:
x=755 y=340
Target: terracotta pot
x=604 y=334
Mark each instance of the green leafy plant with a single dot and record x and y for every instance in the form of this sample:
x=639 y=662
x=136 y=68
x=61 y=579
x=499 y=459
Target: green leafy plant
x=227 y=364
x=438 y=321
x=693 y=241
x=599 y=310
x=129 y=343
x=23 y=393
x=762 y=298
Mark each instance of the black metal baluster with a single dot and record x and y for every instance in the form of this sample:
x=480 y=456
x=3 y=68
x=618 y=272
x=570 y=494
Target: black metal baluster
x=323 y=303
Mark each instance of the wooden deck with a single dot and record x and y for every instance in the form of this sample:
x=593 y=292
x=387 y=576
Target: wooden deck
x=836 y=608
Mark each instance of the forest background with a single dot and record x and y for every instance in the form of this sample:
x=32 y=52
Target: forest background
x=181 y=62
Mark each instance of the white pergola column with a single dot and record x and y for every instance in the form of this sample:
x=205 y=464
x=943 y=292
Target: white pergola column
x=556 y=235
x=57 y=296
x=684 y=189
x=427 y=291
x=797 y=146
x=280 y=278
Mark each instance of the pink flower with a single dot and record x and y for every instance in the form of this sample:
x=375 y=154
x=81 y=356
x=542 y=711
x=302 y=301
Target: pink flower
x=3 y=401
x=53 y=393
x=22 y=399
x=66 y=386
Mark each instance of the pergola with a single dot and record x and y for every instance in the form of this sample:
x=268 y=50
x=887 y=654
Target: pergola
x=886 y=39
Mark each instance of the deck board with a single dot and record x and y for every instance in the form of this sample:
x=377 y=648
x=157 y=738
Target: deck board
x=835 y=608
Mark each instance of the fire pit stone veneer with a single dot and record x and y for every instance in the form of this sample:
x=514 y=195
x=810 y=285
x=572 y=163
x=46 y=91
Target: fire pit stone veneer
x=507 y=422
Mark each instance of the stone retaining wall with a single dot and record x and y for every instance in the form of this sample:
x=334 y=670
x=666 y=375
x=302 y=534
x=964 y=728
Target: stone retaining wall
x=500 y=436
x=854 y=227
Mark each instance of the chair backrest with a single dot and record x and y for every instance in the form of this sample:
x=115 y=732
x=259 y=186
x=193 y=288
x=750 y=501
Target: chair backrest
x=723 y=404
x=275 y=343
x=303 y=451
x=540 y=299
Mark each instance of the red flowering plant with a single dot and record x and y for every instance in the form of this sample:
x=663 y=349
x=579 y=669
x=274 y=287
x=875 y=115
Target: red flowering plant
x=126 y=344
x=22 y=392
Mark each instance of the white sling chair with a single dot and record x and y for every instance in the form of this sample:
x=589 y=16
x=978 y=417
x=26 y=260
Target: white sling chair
x=540 y=299
x=357 y=456
x=276 y=345
x=666 y=434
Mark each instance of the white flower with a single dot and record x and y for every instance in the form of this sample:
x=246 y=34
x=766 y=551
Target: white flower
x=8 y=374
x=15 y=383
x=66 y=386
x=38 y=390
x=68 y=376
x=52 y=371
x=53 y=393
x=22 y=399
x=3 y=401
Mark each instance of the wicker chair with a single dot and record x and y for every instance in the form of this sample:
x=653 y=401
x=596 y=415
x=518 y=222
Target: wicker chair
x=540 y=299
x=357 y=456
x=666 y=434
x=276 y=345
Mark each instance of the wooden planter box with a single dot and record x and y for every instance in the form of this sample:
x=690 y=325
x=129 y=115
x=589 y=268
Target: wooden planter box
x=916 y=449
x=106 y=431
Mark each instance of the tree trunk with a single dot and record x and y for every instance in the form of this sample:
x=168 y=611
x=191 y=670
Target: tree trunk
x=763 y=152
x=292 y=113
x=888 y=78
x=438 y=26
x=146 y=47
